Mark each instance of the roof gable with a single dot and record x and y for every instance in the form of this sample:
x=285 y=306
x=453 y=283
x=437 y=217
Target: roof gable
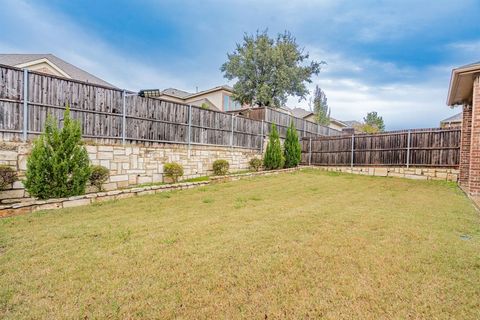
x=73 y=72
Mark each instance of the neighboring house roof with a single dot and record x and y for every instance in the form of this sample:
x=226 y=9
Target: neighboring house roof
x=176 y=93
x=352 y=123
x=455 y=118
x=187 y=95
x=300 y=113
x=341 y=123
x=66 y=69
x=461 y=84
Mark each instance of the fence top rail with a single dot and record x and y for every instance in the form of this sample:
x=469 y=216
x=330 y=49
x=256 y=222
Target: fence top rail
x=388 y=133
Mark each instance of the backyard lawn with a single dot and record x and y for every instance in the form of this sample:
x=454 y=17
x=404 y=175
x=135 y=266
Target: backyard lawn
x=309 y=244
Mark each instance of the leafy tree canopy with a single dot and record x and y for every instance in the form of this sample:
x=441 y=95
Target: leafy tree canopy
x=269 y=70
x=373 y=123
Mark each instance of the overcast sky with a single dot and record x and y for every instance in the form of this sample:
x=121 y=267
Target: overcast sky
x=394 y=57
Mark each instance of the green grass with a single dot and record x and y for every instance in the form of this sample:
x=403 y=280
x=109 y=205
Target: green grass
x=301 y=245
x=197 y=179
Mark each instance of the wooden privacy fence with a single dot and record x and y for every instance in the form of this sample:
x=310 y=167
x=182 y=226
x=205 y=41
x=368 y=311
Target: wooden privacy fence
x=282 y=120
x=113 y=115
x=419 y=148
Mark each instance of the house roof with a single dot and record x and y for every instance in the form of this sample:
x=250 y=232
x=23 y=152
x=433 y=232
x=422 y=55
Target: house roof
x=176 y=93
x=72 y=71
x=461 y=84
x=352 y=123
x=342 y=123
x=300 y=113
x=455 y=118
x=186 y=95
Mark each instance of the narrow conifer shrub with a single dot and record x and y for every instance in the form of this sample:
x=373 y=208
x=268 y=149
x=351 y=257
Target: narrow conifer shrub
x=273 y=158
x=58 y=166
x=98 y=176
x=173 y=170
x=7 y=176
x=292 y=148
x=220 y=167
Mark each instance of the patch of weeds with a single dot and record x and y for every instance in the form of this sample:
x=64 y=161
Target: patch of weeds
x=125 y=235
x=203 y=189
x=208 y=200
x=333 y=173
x=6 y=294
x=115 y=308
x=170 y=241
x=240 y=203
x=164 y=195
x=255 y=198
x=313 y=189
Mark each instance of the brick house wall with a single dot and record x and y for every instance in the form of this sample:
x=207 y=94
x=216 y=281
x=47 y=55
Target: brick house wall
x=474 y=170
x=465 y=146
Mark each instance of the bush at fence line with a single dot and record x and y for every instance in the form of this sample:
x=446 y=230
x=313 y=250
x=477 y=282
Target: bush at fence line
x=292 y=148
x=7 y=176
x=255 y=164
x=98 y=176
x=173 y=170
x=58 y=166
x=273 y=158
x=220 y=167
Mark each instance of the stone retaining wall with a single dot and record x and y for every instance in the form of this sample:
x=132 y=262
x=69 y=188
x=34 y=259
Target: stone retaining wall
x=33 y=205
x=38 y=205
x=133 y=164
x=447 y=174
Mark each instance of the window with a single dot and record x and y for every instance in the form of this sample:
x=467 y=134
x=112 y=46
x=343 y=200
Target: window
x=226 y=103
x=229 y=104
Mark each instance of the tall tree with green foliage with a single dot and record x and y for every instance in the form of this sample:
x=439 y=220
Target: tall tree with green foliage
x=291 y=148
x=269 y=70
x=373 y=123
x=58 y=165
x=320 y=107
x=273 y=158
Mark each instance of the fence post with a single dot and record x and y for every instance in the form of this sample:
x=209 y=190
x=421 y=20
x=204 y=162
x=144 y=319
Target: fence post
x=231 y=137
x=318 y=130
x=262 y=139
x=408 y=148
x=304 y=128
x=25 y=104
x=310 y=152
x=351 y=160
x=124 y=115
x=189 y=129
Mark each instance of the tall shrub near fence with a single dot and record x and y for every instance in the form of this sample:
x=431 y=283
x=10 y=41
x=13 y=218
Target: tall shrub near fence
x=58 y=165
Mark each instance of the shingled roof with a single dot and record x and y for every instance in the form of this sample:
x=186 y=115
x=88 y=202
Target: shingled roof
x=71 y=70
x=455 y=118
